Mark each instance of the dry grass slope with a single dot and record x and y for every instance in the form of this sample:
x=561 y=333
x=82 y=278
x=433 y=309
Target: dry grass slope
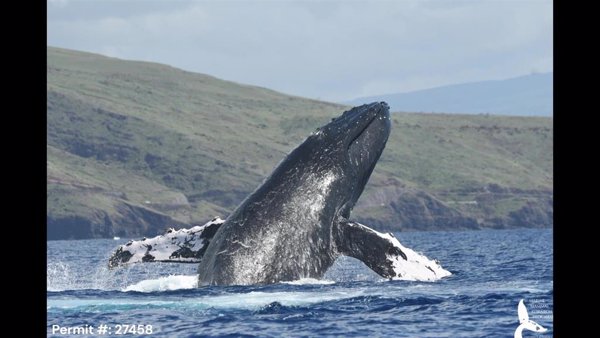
x=134 y=147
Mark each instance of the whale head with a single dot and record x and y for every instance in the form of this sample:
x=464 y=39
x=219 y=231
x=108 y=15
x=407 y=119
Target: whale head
x=347 y=149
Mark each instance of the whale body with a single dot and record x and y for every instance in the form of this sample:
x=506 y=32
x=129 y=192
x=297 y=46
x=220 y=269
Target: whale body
x=297 y=222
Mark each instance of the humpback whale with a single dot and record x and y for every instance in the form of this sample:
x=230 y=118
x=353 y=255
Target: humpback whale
x=297 y=222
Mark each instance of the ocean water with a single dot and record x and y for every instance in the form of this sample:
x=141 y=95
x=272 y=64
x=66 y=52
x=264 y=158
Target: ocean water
x=492 y=270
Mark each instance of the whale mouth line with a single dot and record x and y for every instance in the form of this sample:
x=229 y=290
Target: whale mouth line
x=362 y=130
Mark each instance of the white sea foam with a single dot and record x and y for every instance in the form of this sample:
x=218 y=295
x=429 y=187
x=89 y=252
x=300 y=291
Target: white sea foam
x=58 y=277
x=247 y=301
x=257 y=299
x=176 y=282
x=309 y=281
x=167 y=283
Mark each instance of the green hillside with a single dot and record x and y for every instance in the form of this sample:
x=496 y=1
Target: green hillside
x=136 y=147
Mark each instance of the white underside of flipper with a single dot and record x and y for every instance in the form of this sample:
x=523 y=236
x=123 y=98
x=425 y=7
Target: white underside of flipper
x=384 y=254
x=416 y=266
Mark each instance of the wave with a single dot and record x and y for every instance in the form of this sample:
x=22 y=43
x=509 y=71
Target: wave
x=309 y=281
x=252 y=300
x=175 y=282
x=168 y=283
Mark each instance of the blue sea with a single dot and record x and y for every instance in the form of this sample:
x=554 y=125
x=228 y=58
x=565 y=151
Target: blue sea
x=492 y=270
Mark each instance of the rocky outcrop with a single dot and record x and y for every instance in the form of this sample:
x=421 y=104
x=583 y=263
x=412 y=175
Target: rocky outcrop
x=416 y=210
x=128 y=220
x=396 y=207
x=534 y=214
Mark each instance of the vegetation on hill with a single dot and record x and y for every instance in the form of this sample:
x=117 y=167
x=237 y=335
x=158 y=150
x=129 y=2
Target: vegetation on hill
x=137 y=147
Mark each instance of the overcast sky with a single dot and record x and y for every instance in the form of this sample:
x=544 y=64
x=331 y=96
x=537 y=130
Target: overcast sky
x=331 y=50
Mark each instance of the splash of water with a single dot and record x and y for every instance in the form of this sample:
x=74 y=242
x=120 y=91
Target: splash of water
x=168 y=283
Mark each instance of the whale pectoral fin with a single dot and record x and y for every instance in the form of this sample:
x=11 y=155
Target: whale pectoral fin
x=384 y=254
x=177 y=246
x=369 y=246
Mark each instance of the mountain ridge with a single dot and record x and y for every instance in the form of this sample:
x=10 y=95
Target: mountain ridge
x=526 y=95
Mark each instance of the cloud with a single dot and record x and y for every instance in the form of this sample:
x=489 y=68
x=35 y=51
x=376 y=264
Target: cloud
x=57 y=3
x=332 y=50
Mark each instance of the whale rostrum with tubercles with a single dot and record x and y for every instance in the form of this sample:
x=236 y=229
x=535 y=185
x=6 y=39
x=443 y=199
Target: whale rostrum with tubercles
x=297 y=222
